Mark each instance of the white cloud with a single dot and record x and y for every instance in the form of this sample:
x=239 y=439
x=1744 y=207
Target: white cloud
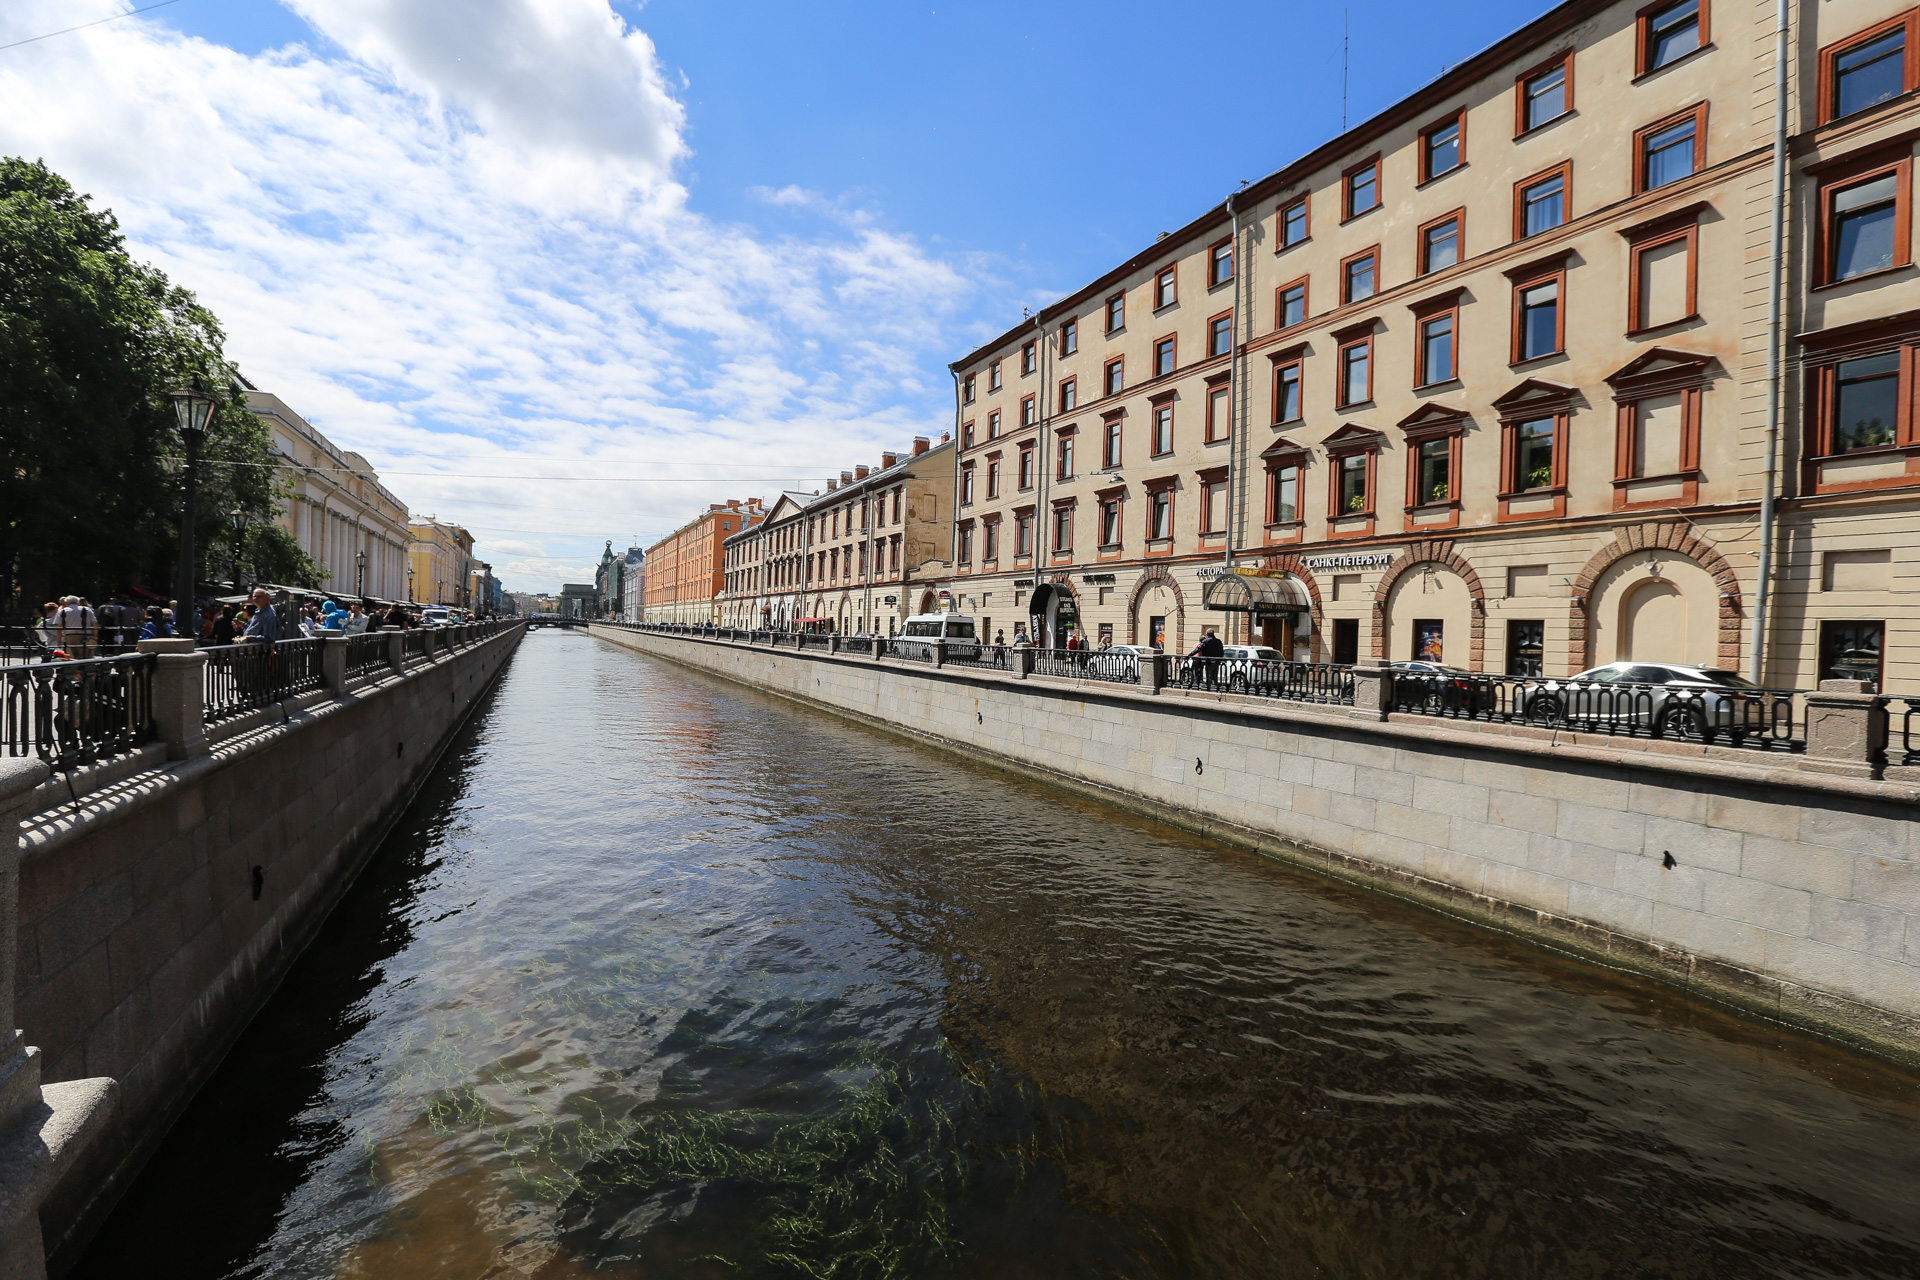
x=464 y=237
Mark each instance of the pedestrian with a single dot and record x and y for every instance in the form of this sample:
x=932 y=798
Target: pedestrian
x=265 y=623
x=1021 y=640
x=395 y=616
x=224 y=628
x=73 y=627
x=156 y=626
x=1209 y=651
x=1000 y=647
x=356 y=621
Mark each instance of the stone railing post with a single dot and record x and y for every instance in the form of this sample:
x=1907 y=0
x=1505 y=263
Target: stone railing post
x=940 y=652
x=1153 y=672
x=879 y=648
x=1370 y=677
x=833 y=644
x=1022 y=662
x=1844 y=733
x=42 y=1130
x=333 y=662
x=179 y=696
x=396 y=648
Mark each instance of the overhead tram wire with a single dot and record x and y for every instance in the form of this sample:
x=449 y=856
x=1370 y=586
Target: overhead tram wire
x=465 y=475
x=83 y=26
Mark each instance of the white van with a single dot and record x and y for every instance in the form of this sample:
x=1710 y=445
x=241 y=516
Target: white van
x=959 y=632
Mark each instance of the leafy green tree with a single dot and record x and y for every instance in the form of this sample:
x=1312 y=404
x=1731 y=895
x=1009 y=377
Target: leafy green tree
x=273 y=555
x=90 y=344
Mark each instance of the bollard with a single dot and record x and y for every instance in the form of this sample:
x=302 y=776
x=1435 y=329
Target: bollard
x=940 y=652
x=1846 y=732
x=1370 y=697
x=1022 y=662
x=333 y=663
x=179 y=696
x=396 y=648
x=1153 y=672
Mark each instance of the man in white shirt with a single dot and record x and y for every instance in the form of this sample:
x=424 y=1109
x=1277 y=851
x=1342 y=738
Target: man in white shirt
x=357 y=620
x=73 y=628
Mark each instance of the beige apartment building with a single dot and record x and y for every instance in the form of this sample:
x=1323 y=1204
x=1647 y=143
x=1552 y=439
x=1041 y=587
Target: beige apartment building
x=1485 y=379
x=440 y=570
x=873 y=549
x=337 y=509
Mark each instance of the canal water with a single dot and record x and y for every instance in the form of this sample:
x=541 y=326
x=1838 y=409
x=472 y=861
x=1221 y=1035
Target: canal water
x=662 y=977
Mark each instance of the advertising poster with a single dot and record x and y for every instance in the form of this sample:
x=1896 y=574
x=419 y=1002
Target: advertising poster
x=1426 y=640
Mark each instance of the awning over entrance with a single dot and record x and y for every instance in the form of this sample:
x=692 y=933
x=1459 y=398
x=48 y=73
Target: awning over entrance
x=1245 y=593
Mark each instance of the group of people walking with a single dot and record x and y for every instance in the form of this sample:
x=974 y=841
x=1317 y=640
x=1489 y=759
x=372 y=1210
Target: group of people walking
x=73 y=628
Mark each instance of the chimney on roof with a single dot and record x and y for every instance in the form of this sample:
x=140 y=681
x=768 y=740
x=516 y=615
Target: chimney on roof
x=945 y=436
x=860 y=473
x=888 y=459
x=920 y=445
x=846 y=477
x=832 y=485
x=1162 y=236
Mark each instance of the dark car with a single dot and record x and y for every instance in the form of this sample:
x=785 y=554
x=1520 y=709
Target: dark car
x=1436 y=689
x=1665 y=699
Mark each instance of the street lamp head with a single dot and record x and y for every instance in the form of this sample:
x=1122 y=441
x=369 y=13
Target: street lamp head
x=192 y=405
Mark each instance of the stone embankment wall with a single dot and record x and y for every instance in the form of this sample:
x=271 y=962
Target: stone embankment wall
x=1792 y=894
x=160 y=911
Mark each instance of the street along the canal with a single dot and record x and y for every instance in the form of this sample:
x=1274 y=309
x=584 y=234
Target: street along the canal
x=662 y=977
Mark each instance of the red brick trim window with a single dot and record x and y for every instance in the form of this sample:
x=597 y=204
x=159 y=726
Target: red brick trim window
x=1656 y=435
x=1220 y=263
x=1069 y=395
x=1535 y=418
x=1116 y=312
x=1296 y=223
x=1870 y=67
x=1022 y=535
x=1433 y=435
x=1213 y=502
x=1159 y=504
x=1861 y=428
x=1443 y=145
x=1166 y=288
x=1111 y=514
x=1441 y=243
x=1027 y=473
x=1543 y=93
x=989 y=542
x=1063 y=452
x=993 y=475
x=1061 y=550
x=1670 y=149
x=966 y=389
x=1865 y=218
x=1289 y=388
x=1543 y=200
x=1436 y=339
x=1029 y=411
x=1360 y=188
x=1360 y=276
x=1667 y=31
x=1220 y=335
x=994 y=380
x=1166 y=357
x=1283 y=514
x=1539 y=309
x=1353 y=459
x=966 y=434
x=1029 y=358
x=1112 y=437
x=1354 y=364
x=966 y=484
x=1113 y=376
x=1161 y=443
x=1219 y=407
x=1069 y=336
x=993 y=425
x=1663 y=272
x=1290 y=304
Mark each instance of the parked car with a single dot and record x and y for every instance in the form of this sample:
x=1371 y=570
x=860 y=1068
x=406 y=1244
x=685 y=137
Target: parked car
x=1437 y=689
x=436 y=617
x=1665 y=699
x=1240 y=667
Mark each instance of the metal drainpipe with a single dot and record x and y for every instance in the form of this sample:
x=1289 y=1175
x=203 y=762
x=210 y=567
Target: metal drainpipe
x=1043 y=462
x=1235 y=430
x=1757 y=659
x=953 y=515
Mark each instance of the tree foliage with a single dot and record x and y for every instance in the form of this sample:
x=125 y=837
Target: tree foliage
x=273 y=555
x=90 y=344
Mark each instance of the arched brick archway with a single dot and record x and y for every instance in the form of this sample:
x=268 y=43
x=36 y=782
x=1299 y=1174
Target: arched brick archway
x=1285 y=563
x=1656 y=536
x=1443 y=554
x=1158 y=575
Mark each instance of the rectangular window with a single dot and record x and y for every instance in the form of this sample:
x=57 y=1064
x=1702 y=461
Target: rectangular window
x=1220 y=263
x=1069 y=336
x=1165 y=293
x=1293 y=224
x=1286 y=392
x=1866 y=403
x=966 y=434
x=1852 y=651
x=1028 y=411
x=1290 y=305
x=1283 y=495
x=965 y=550
x=1029 y=358
x=1220 y=335
x=1440 y=243
x=1362 y=184
x=1865 y=223
x=1026 y=468
x=1442 y=146
x=1351 y=470
x=1533 y=455
x=1868 y=68
x=1357 y=276
x=1163 y=361
x=966 y=388
x=1219 y=413
x=1526 y=647
x=1436 y=350
x=1658 y=442
x=1545 y=93
x=1162 y=430
x=1067 y=395
x=1023 y=534
x=1670 y=150
x=1116 y=313
x=1661 y=280
x=1537 y=320
x=1213 y=507
x=1110 y=522
x=993 y=425
x=1540 y=202
x=1435 y=474
x=1669 y=33
x=1356 y=373
x=990 y=542
x=1063 y=457
x=993 y=478
x=1063 y=528
x=1110 y=443
x=1160 y=514
x=966 y=485
x=1115 y=376
x=994 y=380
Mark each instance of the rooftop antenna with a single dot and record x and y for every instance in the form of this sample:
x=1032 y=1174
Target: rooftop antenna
x=1343 y=71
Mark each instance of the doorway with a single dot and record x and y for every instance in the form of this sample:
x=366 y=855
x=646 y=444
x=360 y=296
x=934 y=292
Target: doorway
x=1346 y=641
x=1526 y=647
x=1852 y=651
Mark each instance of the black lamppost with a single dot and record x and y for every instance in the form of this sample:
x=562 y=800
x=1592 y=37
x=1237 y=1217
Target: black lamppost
x=409 y=584
x=360 y=573
x=192 y=405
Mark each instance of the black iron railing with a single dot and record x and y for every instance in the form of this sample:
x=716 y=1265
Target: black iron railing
x=1903 y=743
x=907 y=650
x=416 y=644
x=1761 y=719
x=1323 y=682
x=245 y=677
x=366 y=655
x=78 y=713
x=857 y=644
x=983 y=657
x=1088 y=664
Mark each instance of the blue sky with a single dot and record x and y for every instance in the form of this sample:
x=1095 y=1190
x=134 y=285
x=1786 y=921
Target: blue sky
x=679 y=251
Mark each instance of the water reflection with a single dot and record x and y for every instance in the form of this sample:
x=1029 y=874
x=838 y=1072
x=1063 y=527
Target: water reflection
x=666 y=978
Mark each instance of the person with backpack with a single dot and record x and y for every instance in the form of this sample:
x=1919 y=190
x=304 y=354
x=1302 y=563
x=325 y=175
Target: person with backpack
x=73 y=627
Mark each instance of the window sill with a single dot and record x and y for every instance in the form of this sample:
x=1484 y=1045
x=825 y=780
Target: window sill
x=1433 y=508
x=1621 y=482
x=1218 y=285
x=1682 y=60
x=1545 y=125
x=1170 y=306
x=1539 y=359
x=1295 y=245
x=1663 y=326
x=1871 y=451
x=1447 y=384
x=1355 y=217
x=1864 y=275
x=1439 y=177
x=1356 y=405
x=1548 y=491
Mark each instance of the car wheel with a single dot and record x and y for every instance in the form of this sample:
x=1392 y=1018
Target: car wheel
x=1545 y=711
x=1682 y=724
x=1432 y=702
